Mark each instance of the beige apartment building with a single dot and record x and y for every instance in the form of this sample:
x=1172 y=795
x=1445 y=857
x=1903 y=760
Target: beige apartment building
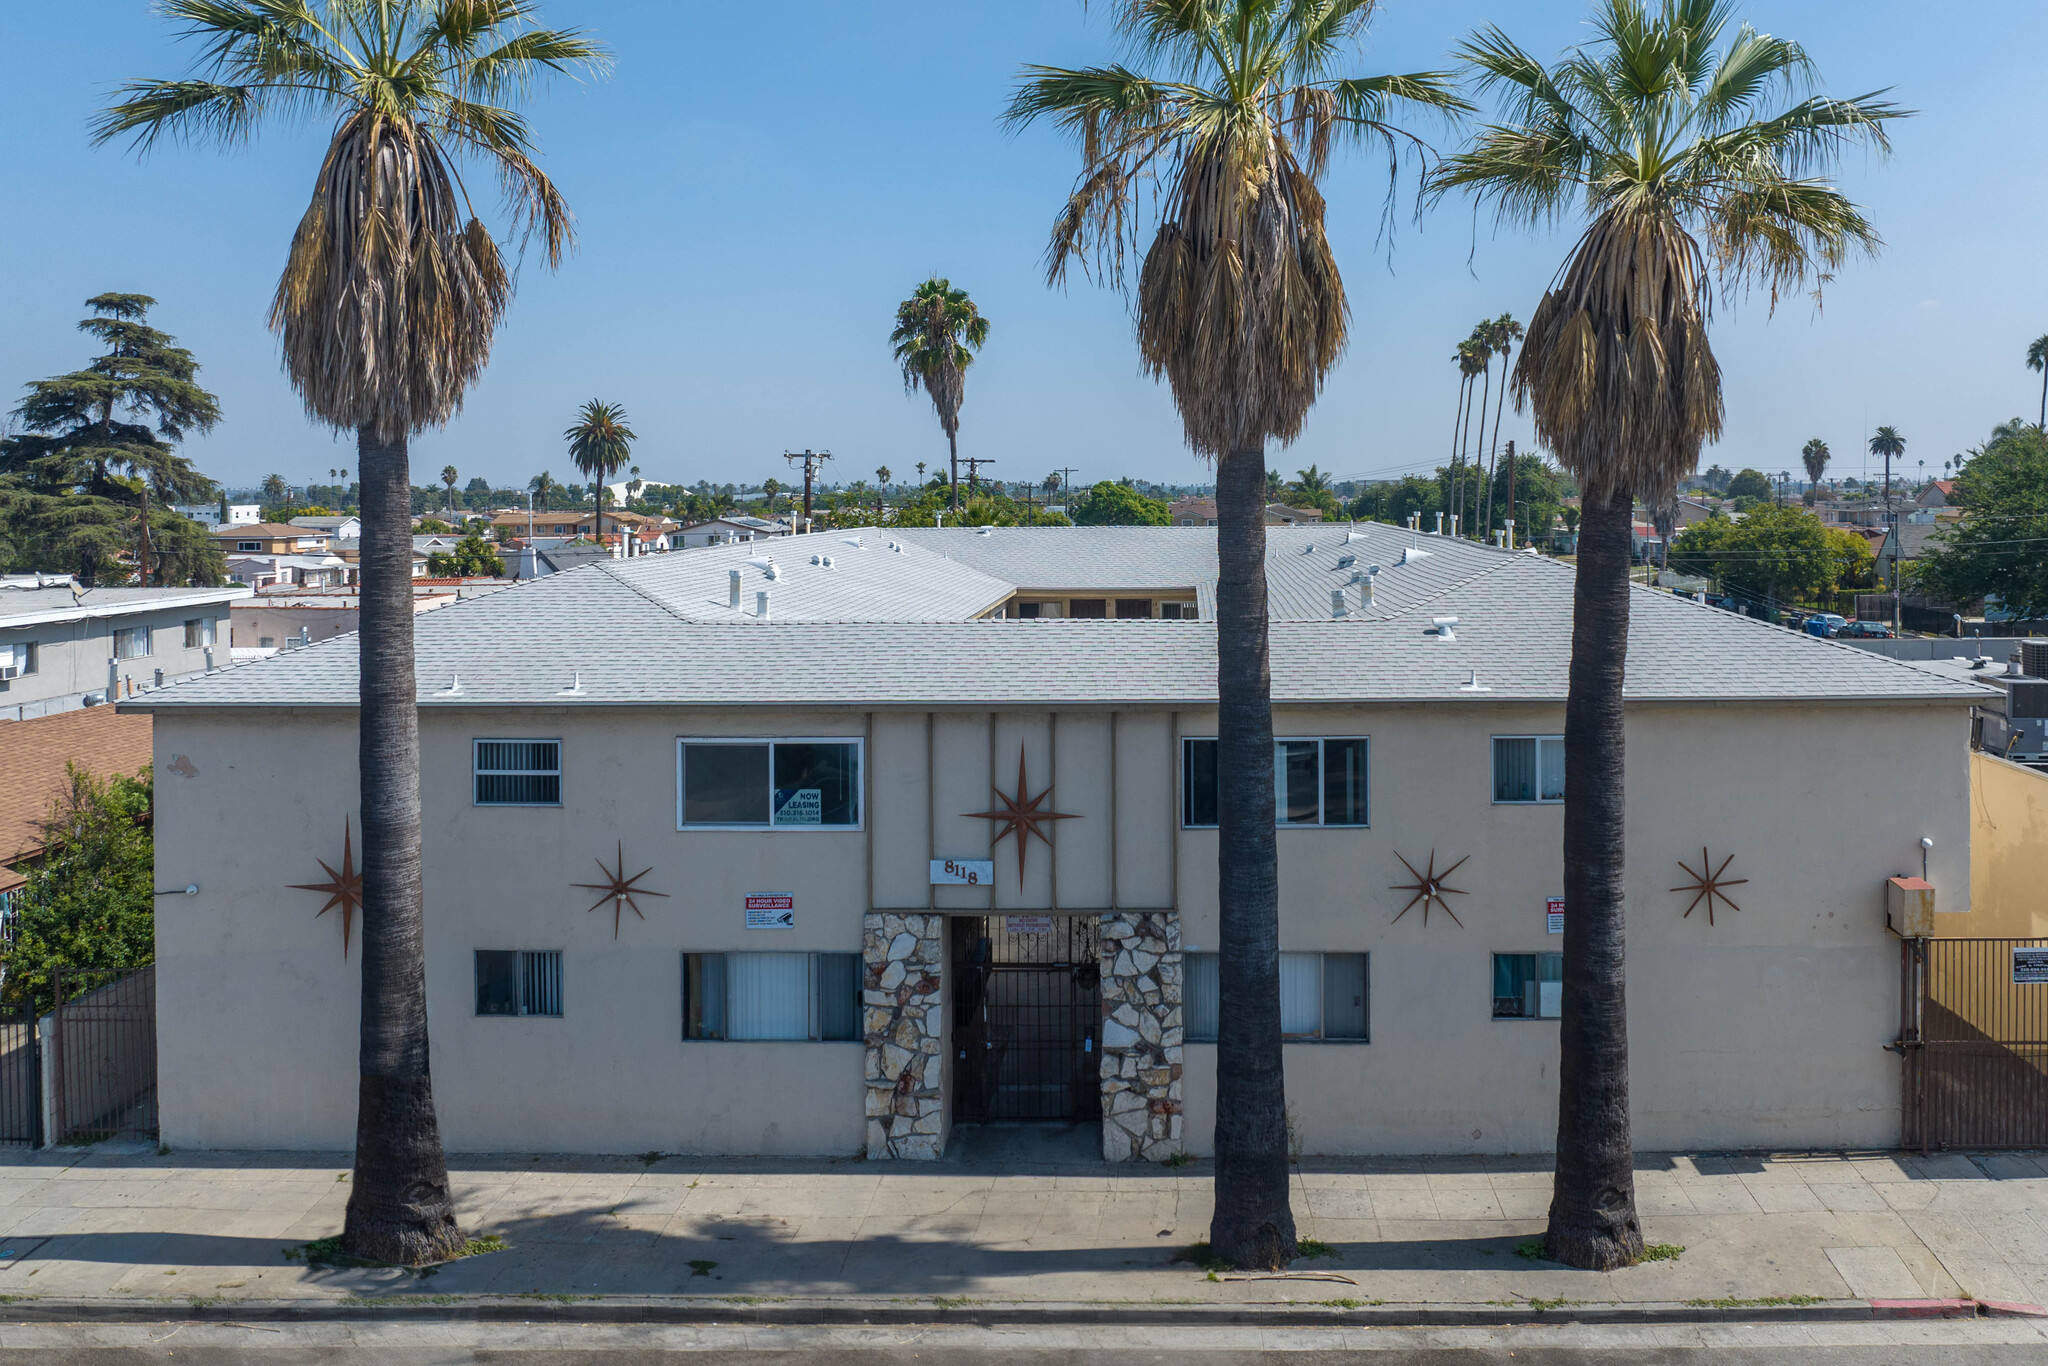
x=833 y=847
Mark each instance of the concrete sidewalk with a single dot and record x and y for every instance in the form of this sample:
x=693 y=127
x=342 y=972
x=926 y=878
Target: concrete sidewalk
x=1021 y=1226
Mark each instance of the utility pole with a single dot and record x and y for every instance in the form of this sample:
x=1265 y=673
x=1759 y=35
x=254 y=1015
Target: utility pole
x=974 y=464
x=1067 y=484
x=1511 y=493
x=811 y=460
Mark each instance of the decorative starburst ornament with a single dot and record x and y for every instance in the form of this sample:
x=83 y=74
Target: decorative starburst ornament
x=343 y=889
x=1707 y=886
x=1429 y=888
x=618 y=889
x=1021 y=816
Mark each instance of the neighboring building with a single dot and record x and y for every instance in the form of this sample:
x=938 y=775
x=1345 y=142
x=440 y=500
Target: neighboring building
x=279 y=619
x=305 y=571
x=1907 y=540
x=787 y=738
x=63 y=647
x=33 y=756
x=337 y=528
x=571 y=525
x=271 y=538
x=350 y=553
x=727 y=531
x=1202 y=512
x=1939 y=493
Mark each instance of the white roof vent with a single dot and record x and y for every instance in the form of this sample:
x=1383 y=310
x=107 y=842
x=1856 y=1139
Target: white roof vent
x=817 y=559
x=853 y=541
x=1412 y=554
x=766 y=566
x=1346 y=561
x=1309 y=549
x=1472 y=683
x=828 y=562
x=1351 y=536
x=983 y=531
x=1338 y=607
x=1446 y=627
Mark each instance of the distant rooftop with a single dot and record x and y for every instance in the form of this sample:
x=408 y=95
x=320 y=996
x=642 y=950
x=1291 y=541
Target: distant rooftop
x=22 y=603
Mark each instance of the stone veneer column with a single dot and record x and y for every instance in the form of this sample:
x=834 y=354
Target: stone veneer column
x=1141 y=1035
x=900 y=1006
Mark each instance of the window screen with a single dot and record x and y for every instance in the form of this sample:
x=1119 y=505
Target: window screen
x=1528 y=986
x=1322 y=996
x=1315 y=782
x=518 y=773
x=1133 y=609
x=1528 y=768
x=131 y=642
x=519 y=982
x=780 y=783
x=1091 y=608
x=769 y=996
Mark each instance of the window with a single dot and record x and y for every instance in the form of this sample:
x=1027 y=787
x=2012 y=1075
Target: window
x=199 y=633
x=1315 y=782
x=781 y=783
x=519 y=982
x=131 y=642
x=742 y=996
x=25 y=658
x=1177 y=611
x=1528 y=768
x=1034 y=611
x=266 y=642
x=1091 y=608
x=1322 y=996
x=248 y=545
x=1528 y=986
x=1133 y=609
x=518 y=773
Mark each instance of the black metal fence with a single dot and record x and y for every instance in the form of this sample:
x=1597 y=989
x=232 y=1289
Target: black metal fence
x=100 y=1046
x=21 y=1077
x=1027 y=1008
x=1974 y=1036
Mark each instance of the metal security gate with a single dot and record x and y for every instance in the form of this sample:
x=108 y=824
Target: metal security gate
x=1026 y=1011
x=1974 y=1037
x=21 y=1078
x=102 y=1055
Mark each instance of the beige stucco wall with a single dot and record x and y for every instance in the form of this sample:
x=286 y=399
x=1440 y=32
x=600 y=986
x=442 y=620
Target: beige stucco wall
x=2008 y=853
x=1765 y=1029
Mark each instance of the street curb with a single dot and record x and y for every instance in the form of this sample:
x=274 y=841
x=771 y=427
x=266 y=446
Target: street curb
x=658 y=1310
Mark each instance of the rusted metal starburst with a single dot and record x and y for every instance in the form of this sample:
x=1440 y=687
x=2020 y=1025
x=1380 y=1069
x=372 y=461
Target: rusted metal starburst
x=1021 y=816
x=343 y=889
x=618 y=889
x=1429 y=888
x=1707 y=886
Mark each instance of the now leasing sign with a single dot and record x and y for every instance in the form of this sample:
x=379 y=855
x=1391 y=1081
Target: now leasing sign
x=771 y=910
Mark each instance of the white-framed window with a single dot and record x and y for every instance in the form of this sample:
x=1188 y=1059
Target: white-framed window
x=516 y=773
x=519 y=982
x=199 y=633
x=770 y=996
x=1315 y=781
x=131 y=642
x=1178 y=611
x=1528 y=986
x=1528 y=769
x=1323 y=996
x=23 y=657
x=249 y=545
x=795 y=784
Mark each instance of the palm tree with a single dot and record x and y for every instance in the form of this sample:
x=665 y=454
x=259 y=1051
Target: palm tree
x=1655 y=129
x=882 y=476
x=275 y=489
x=1889 y=444
x=544 y=487
x=634 y=485
x=448 y=477
x=1501 y=335
x=1241 y=309
x=2037 y=359
x=938 y=330
x=1473 y=361
x=1814 y=455
x=391 y=293
x=920 y=474
x=600 y=444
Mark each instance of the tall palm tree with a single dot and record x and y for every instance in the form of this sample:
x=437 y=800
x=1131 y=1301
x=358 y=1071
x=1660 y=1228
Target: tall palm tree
x=938 y=331
x=544 y=487
x=600 y=444
x=1888 y=443
x=448 y=477
x=635 y=484
x=275 y=489
x=1501 y=335
x=1473 y=361
x=1241 y=309
x=1814 y=455
x=391 y=293
x=1655 y=131
x=2037 y=359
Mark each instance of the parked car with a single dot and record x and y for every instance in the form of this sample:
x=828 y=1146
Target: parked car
x=1825 y=624
x=1867 y=630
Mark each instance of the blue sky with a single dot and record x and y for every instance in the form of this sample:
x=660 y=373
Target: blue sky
x=757 y=186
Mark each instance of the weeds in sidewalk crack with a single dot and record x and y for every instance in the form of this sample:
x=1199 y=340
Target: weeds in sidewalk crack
x=1309 y=1249
x=951 y=1301
x=1663 y=1252
x=1767 y=1302
x=1530 y=1249
x=1203 y=1257
x=701 y=1267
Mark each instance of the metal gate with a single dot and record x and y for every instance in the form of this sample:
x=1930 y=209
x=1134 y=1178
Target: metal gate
x=1026 y=1011
x=1974 y=1037
x=102 y=1055
x=21 y=1077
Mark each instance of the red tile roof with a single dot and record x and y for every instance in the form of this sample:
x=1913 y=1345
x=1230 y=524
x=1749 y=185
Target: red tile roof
x=32 y=759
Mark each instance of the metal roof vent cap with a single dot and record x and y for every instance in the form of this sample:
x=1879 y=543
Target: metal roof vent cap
x=828 y=562
x=1446 y=627
x=732 y=591
x=1472 y=683
x=853 y=541
x=983 y=531
x=1346 y=561
x=1338 y=606
x=761 y=604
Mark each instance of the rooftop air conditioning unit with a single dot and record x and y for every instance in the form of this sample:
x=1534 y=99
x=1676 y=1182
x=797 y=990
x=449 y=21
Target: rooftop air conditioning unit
x=2034 y=658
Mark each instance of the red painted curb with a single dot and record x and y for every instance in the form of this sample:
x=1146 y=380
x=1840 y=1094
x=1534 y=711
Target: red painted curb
x=2006 y=1309
x=1924 y=1309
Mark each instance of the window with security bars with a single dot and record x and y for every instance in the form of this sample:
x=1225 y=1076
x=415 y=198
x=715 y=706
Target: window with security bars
x=766 y=996
x=1315 y=782
x=518 y=773
x=519 y=982
x=1322 y=996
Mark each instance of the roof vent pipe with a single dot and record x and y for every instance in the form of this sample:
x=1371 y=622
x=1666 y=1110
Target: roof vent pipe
x=2012 y=665
x=1446 y=627
x=732 y=591
x=1338 y=607
x=761 y=604
x=1439 y=524
x=1365 y=592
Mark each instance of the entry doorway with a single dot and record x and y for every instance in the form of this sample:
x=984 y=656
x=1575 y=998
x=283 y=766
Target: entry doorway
x=1027 y=1007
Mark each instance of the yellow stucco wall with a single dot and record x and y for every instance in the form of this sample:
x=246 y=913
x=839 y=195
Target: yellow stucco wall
x=2008 y=853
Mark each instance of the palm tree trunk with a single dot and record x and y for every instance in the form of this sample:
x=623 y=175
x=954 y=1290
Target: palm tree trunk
x=1500 y=404
x=1253 y=1225
x=399 y=1208
x=1593 y=1221
x=953 y=464
x=1484 y=472
x=1465 y=447
x=2044 y=398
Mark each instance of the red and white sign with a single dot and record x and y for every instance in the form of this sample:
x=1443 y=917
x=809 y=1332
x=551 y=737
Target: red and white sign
x=1553 y=914
x=771 y=910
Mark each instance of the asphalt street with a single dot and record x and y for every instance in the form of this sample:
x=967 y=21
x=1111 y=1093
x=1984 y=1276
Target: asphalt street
x=1984 y=1342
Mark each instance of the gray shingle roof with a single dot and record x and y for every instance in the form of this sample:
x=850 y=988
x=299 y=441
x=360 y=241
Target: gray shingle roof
x=657 y=631
x=23 y=606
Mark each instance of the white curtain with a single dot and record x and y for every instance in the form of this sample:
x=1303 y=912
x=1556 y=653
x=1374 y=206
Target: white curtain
x=768 y=996
x=1301 y=993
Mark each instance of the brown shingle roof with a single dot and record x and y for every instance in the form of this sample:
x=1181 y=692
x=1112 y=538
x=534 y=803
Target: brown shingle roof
x=260 y=531
x=32 y=759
